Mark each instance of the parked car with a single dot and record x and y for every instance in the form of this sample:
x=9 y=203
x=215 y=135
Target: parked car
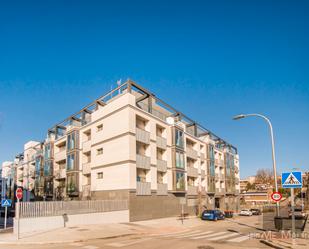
x=298 y=211
x=245 y=212
x=255 y=211
x=212 y=215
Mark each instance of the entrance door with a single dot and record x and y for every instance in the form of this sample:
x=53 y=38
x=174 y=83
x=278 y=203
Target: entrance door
x=217 y=202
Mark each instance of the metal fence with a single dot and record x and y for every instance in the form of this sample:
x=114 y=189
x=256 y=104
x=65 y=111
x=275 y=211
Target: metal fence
x=55 y=208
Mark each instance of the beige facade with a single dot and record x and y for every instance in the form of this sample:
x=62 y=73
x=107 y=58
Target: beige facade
x=130 y=145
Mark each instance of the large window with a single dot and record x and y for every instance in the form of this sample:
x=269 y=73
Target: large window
x=47 y=151
x=179 y=138
x=48 y=168
x=211 y=152
x=70 y=161
x=71 y=141
x=180 y=161
x=180 y=181
x=72 y=184
x=37 y=165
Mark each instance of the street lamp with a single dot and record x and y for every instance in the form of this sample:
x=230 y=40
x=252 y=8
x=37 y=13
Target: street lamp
x=241 y=116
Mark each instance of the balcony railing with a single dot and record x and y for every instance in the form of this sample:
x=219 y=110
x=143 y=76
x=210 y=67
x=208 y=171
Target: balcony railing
x=203 y=174
x=161 y=142
x=192 y=190
x=143 y=188
x=60 y=156
x=60 y=174
x=162 y=189
x=142 y=162
x=161 y=165
x=191 y=171
x=220 y=191
x=142 y=136
x=202 y=155
x=191 y=153
x=86 y=168
x=86 y=146
x=86 y=191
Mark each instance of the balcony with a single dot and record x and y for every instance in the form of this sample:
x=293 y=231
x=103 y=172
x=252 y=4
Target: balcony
x=161 y=165
x=161 y=142
x=203 y=174
x=86 y=146
x=202 y=155
x=220 y=191
x=191 y=171
x=143 y=188
x=60 y=174
x=86 y=168
x=192 y=190
x=191 y=153
x=142 y=162
x=86 y=190
x=142 y=136
x=60 y=155
x=162 y=189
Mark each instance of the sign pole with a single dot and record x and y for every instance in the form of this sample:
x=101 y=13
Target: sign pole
x=17 y=215
x=5 y=216
x=293 y=216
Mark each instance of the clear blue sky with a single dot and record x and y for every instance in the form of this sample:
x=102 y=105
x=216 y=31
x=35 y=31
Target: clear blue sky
x=209 y=60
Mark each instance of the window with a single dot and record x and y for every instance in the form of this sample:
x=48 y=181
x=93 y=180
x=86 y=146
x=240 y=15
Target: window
x=100 y=151
x=48 y=168
x=180 y=162
x=180 y=181
x=47 y=151
x=100 y=127
x=179 y=138
x=100 y=175
x=70 y=161
x=71 y=141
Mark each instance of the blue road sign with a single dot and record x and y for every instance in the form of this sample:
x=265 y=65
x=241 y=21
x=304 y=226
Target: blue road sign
x=6 y=203
x=291 y=180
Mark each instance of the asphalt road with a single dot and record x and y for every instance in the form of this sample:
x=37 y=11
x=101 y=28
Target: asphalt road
x=231 y=234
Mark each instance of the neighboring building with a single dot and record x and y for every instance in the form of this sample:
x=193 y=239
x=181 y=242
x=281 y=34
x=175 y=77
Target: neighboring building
x=128 y=144
x=253 y=198
x=245 y=182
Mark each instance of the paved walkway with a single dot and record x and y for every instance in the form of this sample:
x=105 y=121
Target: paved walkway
x=90 y=232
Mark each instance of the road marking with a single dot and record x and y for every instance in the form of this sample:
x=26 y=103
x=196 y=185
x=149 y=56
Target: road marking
x=126 y=242
x=224 y=236
x=239 y=239
x=188 y=234
x=90 y=247
x=209 y=235
x=197 y=234
x=175 y=233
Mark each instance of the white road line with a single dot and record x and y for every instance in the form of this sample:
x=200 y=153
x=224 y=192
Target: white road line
x=90 y=247
x=197 y=234
x=239 y=239
x=177 y=233
x=224 y=236
x=209 y=235
x=188 y=234
x=126 y=242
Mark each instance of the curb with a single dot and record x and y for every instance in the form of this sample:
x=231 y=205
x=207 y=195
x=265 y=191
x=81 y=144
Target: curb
x=273 y=245
x=18 y=242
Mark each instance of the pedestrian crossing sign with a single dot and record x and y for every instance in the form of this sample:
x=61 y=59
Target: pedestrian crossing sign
x=6 y=203
x=291 y=180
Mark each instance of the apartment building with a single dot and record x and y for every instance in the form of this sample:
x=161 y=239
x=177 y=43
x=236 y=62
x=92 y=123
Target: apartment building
x=129 y=144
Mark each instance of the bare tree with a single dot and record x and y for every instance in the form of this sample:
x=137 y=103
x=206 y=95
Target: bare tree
x=264 y=176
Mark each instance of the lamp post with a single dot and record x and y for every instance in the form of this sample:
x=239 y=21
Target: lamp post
x=241 y=116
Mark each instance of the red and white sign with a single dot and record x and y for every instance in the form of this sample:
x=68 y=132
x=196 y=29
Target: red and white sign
x=276 y=196
x=19 y=193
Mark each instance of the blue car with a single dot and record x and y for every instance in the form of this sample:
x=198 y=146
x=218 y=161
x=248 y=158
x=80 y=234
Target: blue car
x=212 y=215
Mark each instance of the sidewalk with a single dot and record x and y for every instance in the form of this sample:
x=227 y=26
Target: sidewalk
x=106 y=231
